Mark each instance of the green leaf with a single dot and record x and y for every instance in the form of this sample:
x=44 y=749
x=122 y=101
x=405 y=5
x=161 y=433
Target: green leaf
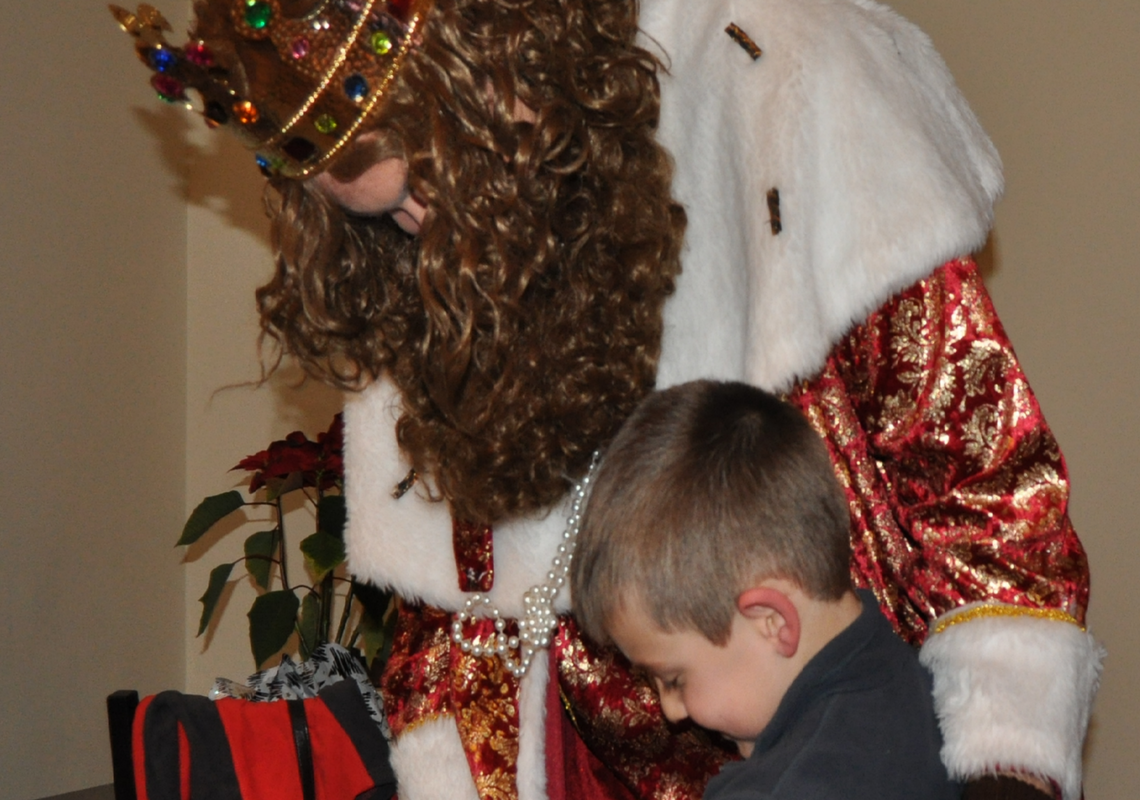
x=331 y=515
x=259 y=549
x=218 y=577
x=323 y=553
x=208 y=512
x=271 y=621
x=310 y=624
x=277 y=487
x=377 y=622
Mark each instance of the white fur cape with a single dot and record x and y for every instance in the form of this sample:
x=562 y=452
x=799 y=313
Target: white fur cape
x=883 y=174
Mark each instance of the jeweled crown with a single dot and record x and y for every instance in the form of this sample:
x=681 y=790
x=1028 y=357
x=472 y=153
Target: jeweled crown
x=295 y=79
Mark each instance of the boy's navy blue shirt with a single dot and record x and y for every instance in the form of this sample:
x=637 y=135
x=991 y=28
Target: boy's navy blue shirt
x=858 y=722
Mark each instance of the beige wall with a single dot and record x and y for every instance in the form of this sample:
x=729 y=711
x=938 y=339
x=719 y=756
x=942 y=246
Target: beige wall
x=131 y=247
x=126 y=304
x=1057 y=85
x=227 y=258
x=92 y=393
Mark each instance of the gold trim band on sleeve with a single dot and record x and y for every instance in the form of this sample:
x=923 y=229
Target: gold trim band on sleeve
x=990 y=611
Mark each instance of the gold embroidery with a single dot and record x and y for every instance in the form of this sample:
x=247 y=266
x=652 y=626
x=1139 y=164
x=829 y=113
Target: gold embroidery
x=982 y=432
x=426 y=717
x=909 y=342
x=982 y=366
x=496 y=786
x=949 y=471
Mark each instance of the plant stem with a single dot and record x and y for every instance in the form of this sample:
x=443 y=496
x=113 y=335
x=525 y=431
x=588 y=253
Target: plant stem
x=325 y=597
x=344 y=615
x=304 y=647
x=281 y=542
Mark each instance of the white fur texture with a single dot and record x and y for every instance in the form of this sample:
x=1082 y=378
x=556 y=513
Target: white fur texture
x=406 y=543
x=431 y=764
x=532 y=732
x=883 y=171
x=1014 y=693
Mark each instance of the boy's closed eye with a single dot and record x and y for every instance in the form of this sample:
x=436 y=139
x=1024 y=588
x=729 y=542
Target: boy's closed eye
x=668 y=684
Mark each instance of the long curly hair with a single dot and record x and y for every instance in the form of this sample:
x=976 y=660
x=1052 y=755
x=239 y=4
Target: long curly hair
x=523 y=324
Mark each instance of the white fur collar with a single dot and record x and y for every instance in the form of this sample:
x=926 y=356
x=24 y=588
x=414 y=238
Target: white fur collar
x=406 y=543
x=883 y=172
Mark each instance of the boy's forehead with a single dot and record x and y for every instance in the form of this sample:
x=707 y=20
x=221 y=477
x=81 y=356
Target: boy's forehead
x=640 y=638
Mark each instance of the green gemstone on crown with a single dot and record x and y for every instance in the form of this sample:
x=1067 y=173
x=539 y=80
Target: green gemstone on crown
x=381 y=43
x=325 y=123
x=257 y=14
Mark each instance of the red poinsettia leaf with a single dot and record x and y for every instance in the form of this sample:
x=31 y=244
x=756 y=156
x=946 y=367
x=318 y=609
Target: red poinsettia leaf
x=332 y=440
x=252 y=463
x=285 y=457
x=320 y=463
x=332 y=453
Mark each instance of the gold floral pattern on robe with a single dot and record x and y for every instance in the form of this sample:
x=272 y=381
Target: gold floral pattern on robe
x=957 y=489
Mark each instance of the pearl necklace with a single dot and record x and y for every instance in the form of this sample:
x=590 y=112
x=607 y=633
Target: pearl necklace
x=539 y=620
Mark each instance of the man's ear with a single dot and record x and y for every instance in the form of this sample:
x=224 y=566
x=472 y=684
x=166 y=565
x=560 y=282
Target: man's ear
x=776 y=614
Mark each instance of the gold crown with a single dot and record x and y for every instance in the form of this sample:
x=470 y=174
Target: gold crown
x=297 y=87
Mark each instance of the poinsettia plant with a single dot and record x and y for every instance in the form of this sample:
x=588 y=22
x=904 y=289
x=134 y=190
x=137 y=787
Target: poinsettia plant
x=362 y=613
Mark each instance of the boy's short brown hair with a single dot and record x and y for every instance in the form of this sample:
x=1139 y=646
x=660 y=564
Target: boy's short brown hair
x=707 y=488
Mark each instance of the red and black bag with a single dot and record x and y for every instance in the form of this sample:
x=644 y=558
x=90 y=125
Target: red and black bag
x=187 y=747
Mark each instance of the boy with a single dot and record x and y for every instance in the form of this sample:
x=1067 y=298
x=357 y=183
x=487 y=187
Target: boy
x=714 y=553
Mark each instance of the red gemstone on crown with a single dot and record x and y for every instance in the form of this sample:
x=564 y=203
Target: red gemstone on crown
x=169 y=89
x=198 y=53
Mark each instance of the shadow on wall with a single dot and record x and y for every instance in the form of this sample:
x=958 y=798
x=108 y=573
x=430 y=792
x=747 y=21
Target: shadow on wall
x=213 y=170
x=988 y=258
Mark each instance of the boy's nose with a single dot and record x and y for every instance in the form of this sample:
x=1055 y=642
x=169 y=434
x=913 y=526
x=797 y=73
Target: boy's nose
x=672 y=707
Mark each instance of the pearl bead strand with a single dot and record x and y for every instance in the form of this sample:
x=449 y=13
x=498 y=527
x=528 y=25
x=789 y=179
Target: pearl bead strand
x=539 y=620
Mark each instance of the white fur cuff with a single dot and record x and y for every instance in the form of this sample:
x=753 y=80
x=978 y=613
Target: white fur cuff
x=430 y=763
x=1014 y=692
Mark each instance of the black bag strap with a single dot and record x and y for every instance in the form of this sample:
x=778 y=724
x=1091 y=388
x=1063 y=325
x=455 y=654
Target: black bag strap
x=212 y=773
x=304 y=748
x=346 y=703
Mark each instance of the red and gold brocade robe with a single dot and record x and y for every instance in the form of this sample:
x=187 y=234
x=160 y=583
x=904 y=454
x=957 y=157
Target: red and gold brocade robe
x=958 y=496
x=958 y=491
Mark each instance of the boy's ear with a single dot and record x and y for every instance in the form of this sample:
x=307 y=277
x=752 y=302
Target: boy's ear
x=776 y=614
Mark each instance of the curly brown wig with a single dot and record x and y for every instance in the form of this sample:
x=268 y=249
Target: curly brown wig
x=523 y=324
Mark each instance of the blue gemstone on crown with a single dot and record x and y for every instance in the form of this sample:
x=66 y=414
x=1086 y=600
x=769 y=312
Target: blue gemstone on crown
x=162 y=59
x=356 y=87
